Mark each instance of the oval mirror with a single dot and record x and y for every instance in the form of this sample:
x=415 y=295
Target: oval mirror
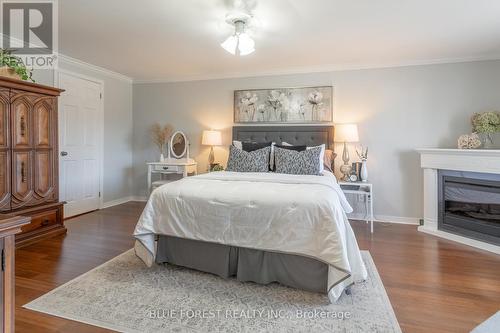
x=178 y=144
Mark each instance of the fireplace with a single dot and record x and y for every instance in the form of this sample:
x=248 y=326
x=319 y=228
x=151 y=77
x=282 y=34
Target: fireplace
x=469 y=204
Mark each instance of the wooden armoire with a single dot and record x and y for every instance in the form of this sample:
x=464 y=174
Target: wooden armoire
x=29 y=158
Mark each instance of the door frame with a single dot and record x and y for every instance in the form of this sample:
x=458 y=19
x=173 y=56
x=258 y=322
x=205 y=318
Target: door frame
x=100 y=131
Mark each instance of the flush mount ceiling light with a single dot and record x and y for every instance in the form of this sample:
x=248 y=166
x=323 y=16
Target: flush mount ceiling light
x=240 y=43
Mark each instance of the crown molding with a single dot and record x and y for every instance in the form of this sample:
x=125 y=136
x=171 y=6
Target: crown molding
x=102 y=70
x=319 y=69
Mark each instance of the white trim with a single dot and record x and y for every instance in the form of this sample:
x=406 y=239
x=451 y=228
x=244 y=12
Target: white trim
x=101 y=70
x=100 y=140
x=463 y=240
x=464 y=152
x=317 y=69
x=138 y=198
x=117 y=202
x=386 y=219
x=123 y=200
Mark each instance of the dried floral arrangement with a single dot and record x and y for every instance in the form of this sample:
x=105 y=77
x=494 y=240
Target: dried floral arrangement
x=362 y=153
x=486 y=123
x=469 y=141
x=160 y=135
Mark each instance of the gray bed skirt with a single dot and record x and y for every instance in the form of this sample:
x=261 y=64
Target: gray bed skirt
x=245 y=264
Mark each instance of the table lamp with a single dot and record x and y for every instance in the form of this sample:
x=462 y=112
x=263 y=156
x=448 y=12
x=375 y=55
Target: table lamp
x=211 y=138
x=346 y=133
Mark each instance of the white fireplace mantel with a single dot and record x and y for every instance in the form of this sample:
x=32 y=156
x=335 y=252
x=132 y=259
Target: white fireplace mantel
x=472 y=160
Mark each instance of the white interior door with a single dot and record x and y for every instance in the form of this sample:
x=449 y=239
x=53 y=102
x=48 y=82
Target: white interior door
x=80 y=122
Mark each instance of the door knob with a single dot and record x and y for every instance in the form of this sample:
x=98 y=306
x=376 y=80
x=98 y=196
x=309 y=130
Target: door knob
x=64 y=153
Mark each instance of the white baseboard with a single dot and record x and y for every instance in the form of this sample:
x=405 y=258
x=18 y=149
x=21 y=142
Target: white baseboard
x=116 y=202
x=138 y=198
x=387 y=219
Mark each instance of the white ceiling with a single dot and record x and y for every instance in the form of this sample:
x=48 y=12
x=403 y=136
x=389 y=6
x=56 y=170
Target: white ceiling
x=173 y=40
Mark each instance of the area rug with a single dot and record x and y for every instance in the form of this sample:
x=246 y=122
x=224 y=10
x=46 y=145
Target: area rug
x=124 y=295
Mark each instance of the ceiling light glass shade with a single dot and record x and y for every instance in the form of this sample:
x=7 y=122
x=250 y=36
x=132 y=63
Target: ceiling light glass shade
x=242 y=43
x=230 y=44
x=246 y=44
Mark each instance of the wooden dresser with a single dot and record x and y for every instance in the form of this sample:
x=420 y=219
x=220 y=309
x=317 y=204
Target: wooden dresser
x=29 y=158
x=9 y=226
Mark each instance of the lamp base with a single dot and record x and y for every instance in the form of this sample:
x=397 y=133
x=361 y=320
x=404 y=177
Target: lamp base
x=211 y=156
x=345 y=169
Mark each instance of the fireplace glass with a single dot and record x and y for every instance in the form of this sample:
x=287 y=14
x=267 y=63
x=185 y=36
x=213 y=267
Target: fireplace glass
x=469 y=205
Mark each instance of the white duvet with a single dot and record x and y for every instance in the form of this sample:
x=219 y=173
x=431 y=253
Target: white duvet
x=295 y=214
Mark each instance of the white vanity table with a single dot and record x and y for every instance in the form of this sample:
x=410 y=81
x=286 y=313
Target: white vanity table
x=179 y=164
x=184 y=167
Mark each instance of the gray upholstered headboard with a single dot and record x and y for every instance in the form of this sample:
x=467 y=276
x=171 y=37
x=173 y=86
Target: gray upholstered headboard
x=295 y=135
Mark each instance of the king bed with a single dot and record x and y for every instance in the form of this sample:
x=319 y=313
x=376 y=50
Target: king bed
x=257 y=226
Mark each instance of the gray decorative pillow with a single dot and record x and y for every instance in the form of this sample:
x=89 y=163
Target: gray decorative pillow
x=293 y=162
x=254 y=161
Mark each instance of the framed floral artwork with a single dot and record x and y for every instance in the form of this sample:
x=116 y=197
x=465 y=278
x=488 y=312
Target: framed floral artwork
x=284 y=105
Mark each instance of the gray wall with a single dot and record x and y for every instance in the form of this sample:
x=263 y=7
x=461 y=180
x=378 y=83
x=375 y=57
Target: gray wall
x=117 y=128
x=397 y=109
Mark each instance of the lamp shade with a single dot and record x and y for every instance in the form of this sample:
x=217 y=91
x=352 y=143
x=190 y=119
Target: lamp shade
x=211 y=138
x=346 y=133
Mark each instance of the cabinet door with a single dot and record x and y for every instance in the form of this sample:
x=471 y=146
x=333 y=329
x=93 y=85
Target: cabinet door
x=22 y=179
x=22 y=120
x=44 y=123
x=4 y=180
x=4 y=119
x=4 y=151
x=45 y=189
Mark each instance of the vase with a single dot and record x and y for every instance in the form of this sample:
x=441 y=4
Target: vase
x=364 y=171
x=487 y=140
x=162 y=158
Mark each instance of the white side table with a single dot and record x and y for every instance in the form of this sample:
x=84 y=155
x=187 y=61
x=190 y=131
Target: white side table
x=364 y=189
x=181 y=167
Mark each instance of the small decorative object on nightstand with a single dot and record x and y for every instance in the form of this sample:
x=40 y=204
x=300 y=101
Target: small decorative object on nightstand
x=364 y=189
x=211 y=138
x=346 y=133
x=216 y=167
x=363 y=156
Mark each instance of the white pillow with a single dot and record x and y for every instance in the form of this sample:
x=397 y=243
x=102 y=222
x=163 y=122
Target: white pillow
x=238 y=144
x=321 y=155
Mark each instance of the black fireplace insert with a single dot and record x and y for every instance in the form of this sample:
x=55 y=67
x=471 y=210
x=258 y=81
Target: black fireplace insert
x=469 y=205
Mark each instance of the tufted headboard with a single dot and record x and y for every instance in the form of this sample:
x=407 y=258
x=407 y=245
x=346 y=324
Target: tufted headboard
x=295 y=135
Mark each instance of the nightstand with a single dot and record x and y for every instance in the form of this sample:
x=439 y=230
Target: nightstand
x=365 y=189
x=181 y=167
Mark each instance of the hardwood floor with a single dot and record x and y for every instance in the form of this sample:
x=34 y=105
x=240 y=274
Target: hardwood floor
x=434 y=285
